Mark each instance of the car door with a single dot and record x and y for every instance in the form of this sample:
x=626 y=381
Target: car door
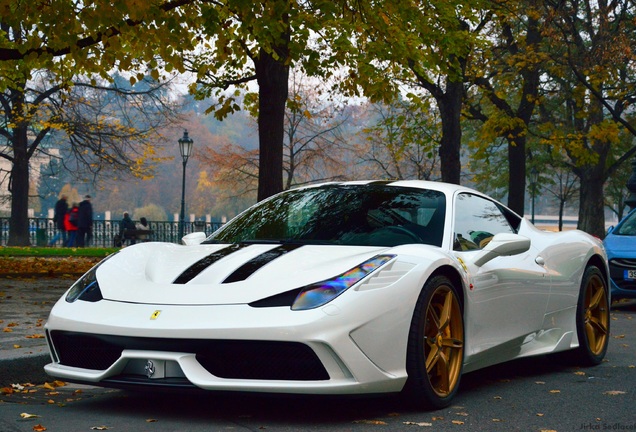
x=508 y=295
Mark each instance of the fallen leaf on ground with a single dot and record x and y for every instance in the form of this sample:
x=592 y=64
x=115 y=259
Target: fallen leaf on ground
x=372 y=422
x=424 y=424
x=28 y=416
x=39 y=428
x=457 y=422
x=614 y=392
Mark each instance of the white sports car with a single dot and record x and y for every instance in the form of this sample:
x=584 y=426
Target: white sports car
x=338 y=288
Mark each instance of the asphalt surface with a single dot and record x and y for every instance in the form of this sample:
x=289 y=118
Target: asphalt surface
x=25 y=304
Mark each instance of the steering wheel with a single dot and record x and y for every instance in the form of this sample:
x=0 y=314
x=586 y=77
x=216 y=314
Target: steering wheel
x=405 y=232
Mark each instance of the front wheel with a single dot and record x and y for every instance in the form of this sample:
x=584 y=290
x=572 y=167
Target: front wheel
x=592 y=319
x=436 y=345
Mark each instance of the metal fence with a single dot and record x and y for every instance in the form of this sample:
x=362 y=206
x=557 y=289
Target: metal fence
x=42 y=230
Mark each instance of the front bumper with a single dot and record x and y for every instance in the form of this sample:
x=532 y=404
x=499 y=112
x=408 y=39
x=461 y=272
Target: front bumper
x=360 y=351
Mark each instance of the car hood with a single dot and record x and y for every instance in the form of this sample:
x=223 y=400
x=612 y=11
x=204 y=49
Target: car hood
x=163 y=273
x=620 y=245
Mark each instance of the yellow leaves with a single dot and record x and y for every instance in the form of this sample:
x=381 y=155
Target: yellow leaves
x=606 y=132
x=614 y=393
x=28 y=416
x=502 y=126
x=370 y=422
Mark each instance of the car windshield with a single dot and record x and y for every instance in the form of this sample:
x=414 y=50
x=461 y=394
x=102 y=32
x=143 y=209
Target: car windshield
x=366 y=215
x=627 y=226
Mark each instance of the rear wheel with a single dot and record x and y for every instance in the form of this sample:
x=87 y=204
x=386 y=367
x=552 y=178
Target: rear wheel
x=436 y=345
x=592 y=319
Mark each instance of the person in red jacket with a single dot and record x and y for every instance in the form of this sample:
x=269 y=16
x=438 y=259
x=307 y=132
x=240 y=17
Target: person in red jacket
x=70 y=223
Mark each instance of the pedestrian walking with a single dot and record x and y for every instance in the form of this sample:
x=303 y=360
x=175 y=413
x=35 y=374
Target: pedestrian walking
x=85 y=222
x=61 y=208
x=70 y=223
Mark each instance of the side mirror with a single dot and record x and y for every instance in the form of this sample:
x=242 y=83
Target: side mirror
x=502 y=245
x=193 y=239
x=610 y=229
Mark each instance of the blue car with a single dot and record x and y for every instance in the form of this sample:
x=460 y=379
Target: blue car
x=620 y=244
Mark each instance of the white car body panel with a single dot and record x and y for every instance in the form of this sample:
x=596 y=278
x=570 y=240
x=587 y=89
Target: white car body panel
x=514 y=306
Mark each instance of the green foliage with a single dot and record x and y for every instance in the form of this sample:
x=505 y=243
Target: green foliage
x=56 y=252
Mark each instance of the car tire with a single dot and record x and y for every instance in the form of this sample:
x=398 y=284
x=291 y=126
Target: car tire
x=592 y=319
x=435 y=352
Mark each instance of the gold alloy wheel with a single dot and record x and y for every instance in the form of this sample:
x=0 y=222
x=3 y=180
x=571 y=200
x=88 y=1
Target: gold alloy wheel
x=444 y=345
x=596 y=315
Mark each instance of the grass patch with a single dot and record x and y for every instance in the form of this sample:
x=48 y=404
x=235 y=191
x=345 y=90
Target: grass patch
x=11 y=251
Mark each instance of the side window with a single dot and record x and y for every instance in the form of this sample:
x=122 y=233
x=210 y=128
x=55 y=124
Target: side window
x=477 y=220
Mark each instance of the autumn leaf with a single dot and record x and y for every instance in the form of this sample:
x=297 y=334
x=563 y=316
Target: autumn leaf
x=424 y=424
x=100 y=428
x=151 y=420
x=555 y=391
x=619 y=336
x=371 y=422
x=579 y=373
x=39 y=428
x=28 y=416
x=6 y=390
x=35 y=336
x=614 y=392
x=457 y=422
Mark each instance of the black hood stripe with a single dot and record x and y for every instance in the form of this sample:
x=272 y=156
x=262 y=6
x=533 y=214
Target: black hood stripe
x=196 y=268
x=250 y=267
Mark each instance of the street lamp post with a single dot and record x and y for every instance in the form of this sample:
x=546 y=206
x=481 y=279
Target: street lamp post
x=185 y=147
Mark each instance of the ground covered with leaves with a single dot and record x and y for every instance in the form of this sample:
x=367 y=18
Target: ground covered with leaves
x=46 y=266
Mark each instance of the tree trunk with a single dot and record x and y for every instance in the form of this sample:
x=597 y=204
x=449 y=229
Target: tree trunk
x=591 y=208
x=517 y=173
x=19 y=190
x=272 y=77
x=450 y=106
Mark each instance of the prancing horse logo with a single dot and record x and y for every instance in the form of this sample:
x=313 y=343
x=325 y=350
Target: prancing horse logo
x=155 y=315
x=150 y=368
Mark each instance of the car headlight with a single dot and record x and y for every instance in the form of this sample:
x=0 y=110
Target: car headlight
x=320 y=293
x=86 y=288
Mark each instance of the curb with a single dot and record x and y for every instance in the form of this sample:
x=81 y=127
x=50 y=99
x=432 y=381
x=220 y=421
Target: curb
x=21 y=370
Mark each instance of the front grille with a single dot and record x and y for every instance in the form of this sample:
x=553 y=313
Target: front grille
x=236 y=359
x=618 y=268
x=629 y=263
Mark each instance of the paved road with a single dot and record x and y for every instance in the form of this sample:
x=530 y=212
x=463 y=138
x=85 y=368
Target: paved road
x=536 y=394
